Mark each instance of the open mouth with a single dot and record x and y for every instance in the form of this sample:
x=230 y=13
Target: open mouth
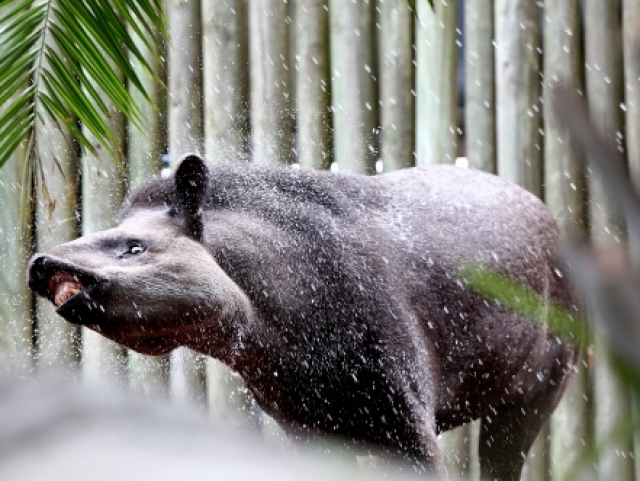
x=63 y=287
x=72 y=289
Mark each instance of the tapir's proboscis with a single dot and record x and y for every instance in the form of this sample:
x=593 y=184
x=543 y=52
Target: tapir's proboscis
x=339 y=298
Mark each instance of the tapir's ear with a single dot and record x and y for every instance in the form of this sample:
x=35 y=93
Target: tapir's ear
x=192 y=179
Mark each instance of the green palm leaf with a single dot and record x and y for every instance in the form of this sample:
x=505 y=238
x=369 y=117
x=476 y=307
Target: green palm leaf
x=67 y=77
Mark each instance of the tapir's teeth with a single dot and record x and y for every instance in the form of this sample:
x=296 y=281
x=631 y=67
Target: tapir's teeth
x=63 y=287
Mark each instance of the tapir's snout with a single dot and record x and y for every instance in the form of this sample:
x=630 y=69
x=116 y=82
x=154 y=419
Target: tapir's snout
x=66 y=285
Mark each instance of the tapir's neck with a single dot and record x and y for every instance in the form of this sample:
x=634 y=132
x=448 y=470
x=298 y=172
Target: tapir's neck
x=239 y=342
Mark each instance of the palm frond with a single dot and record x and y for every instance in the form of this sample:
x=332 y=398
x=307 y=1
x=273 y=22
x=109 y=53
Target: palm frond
x=61 y=59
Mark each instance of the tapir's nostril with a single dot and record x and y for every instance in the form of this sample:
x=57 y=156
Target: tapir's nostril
x=36 y=273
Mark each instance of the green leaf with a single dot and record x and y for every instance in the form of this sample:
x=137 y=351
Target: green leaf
x=67 y=62
x=527 y=303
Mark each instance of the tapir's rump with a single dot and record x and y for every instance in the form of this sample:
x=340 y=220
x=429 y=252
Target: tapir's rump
x=337 y=297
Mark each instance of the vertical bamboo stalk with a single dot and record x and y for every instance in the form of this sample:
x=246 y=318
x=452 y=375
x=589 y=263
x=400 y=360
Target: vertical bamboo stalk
x=228 y=397
x=518 y=145
x=397 y=107
x=518 y=92
x=480 y=126
x=57 y=222
x=292 y=77
x=226 y=97
x=16 y=323
x=536 y=468
x=353 y=85
x=271 y=115
x=148 y=375
x=226 y=79
x=271 y=121
x=454 y=445
x=562 y=63
x=604 y=92
x=57 y=209
x=436 y=84
x=15 y=307
x=187 y=377
x=103 y=187
x=631 y=52
x=146 y=141
x=185 y=78
x=473 y=433
x=564 y=188
x=436 y=121
x=313 y=90
x=480 y=123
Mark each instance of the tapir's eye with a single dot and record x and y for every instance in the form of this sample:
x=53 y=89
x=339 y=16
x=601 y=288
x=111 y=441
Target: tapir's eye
x=134 y=248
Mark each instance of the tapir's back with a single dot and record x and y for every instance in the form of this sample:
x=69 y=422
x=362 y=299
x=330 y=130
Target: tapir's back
x=464 y=215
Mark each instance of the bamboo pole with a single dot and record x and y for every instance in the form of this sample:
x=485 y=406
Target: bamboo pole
x=58 y=341
x=518 y=92
x=518 y=144
x=226 y=79
x=479 y=127
x=226 y=114
x=353 y=85
x=436 y=83
x=564 y=183
x=631 y=52
x=537 y=465
x=187 y=373
x=292 y=77
x=15 y=307
x=57 y=221
x=16 y=323
x=148 y=375
x=564 y=187
x=313 y=89
x=436 y=121
x=455 y=447
x=271 y=120
x=397 y=107
x=228 y=397
x=103 y=188
x=184 y=78
x=147 y=141
x=604 y=92
x=480 y=122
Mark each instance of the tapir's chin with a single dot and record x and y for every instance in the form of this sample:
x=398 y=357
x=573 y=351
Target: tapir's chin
x=143 y=342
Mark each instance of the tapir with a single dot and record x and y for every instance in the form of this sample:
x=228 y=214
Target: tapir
x=339 y=298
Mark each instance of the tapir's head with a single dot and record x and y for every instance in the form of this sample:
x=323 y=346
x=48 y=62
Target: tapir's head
x=148 y=283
